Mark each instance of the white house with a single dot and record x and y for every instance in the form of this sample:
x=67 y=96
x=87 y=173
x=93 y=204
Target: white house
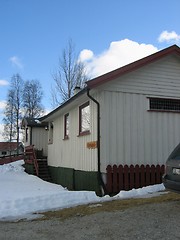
x=35 y=133
x=128 y=116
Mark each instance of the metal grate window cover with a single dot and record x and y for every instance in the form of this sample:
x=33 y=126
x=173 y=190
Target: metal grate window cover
x=164 y=104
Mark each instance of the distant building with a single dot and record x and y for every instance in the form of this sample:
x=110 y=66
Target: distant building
x=10 y=148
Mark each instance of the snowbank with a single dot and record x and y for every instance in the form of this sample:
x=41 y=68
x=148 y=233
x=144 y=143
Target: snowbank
x=23 y=194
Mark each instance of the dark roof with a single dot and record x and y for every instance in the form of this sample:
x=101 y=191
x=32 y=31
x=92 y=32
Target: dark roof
x=33 y=122
x=174 y=49
x=5 y=146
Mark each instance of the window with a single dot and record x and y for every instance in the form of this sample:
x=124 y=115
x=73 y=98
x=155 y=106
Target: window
x=84 y=119
x=66 y=126
x=26 y=134
x=51 y=126
x=164 y=104
x=4 y=153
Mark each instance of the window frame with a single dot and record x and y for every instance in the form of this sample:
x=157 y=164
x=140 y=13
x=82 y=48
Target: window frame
x=27 y=135
x=66 y=127
x=51 y=133
x=163 y=105
x=81 y=132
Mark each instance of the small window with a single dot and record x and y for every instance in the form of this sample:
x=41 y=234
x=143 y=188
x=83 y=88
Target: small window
x=26 y=134
x=84 y=119
x=51 y=132
x=66 y=126
x=4 y=153
x=163 y=104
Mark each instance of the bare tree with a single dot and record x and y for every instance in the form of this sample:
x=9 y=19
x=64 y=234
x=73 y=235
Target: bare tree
x=13 y=113
x=70 y=74
x=32 y=97
x=9 y=119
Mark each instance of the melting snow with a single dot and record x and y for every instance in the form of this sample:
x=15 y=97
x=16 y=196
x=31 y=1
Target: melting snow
x=22 y=194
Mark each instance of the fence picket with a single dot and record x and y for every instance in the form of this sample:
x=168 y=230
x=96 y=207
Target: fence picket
x=115 y=179
x=131 y=177
x=137 y=182
x=153 y=170
x=109 y=184
x=121 y=178
x=126 y=177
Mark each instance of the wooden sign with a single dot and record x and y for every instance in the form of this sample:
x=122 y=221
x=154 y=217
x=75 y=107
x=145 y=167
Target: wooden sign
x=92 y=145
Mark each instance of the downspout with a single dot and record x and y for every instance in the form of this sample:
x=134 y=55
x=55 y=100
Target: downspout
x=101 y=182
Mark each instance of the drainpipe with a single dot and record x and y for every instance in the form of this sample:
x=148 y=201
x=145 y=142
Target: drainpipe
x=101 y=182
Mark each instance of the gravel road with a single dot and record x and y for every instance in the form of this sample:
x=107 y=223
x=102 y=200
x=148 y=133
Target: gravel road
x=148 y=221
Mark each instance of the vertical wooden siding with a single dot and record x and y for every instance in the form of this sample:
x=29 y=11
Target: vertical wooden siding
x=130 y=134
x=73 y=152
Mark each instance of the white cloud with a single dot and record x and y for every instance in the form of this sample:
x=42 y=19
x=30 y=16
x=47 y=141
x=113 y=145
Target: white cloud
x=117 y=55
x=2 y=105
x=1 y=131
x=16 y=62
x=166 y=36
x=85 y=55
x=4 y=82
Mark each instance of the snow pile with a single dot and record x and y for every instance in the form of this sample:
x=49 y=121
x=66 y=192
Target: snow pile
x=23 y=194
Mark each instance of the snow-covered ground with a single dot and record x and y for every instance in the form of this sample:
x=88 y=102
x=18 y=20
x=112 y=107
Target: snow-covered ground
x=22 y=194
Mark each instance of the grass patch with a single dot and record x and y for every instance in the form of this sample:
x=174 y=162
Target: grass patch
x=110 y=206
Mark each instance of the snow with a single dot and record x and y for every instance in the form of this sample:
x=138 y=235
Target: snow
x=22 y=194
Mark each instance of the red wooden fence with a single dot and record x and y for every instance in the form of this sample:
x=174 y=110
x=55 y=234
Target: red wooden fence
x=129 y=177
x=9 y=159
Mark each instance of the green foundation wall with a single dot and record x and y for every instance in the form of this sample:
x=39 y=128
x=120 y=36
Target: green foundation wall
x=62 y=176
x=75 y=179
x=29 y=168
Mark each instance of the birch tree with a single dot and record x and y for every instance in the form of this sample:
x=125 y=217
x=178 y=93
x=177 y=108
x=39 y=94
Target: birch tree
x=32 y=98
x=13 y=110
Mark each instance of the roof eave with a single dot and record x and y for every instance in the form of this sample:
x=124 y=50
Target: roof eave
x=132 y=66
x=49 y=115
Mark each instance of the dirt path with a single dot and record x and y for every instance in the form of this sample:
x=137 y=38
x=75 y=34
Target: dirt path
x=159 y=220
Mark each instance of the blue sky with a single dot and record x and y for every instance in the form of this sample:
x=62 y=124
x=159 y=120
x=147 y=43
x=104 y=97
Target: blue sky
x=107 y=34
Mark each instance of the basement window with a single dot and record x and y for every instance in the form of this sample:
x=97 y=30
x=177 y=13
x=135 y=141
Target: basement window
x=164 y=104
x=84 y=119
x=66 y=126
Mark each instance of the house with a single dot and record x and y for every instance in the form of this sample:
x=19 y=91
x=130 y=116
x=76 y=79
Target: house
x=10 y=148
x=127 y=117
x=35 y=133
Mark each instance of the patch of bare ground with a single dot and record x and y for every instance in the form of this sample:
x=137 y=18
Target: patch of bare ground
x=143 y=219
x=110 y=206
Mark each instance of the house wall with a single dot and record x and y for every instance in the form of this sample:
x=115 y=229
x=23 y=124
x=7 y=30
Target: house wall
x=73 y=152
x=39 y=138
x=72 y=162
x=130 y=134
